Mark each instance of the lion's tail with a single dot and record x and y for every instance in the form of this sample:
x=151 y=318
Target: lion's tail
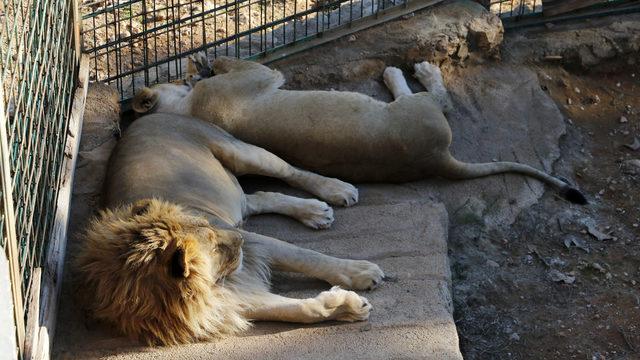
x=460 y=170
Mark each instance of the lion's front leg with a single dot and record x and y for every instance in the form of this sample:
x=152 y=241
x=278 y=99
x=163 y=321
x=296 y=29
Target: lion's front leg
x=311 y=212
x=335 y=304
x=242 y=159
x=351 y=274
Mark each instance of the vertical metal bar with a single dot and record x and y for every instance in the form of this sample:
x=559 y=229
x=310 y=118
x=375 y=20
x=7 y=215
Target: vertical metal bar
x=204 y=28
x=237 y=29
x=295 y=13
x=131 y=37
x=145 y=42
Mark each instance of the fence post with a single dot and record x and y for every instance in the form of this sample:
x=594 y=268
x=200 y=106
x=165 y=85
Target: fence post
x=11 y=245
x=77 y=29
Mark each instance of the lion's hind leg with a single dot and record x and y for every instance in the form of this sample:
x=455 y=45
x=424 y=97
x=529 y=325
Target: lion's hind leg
x=311 y=212
x=334 y=304
x=242 y=159
x=430 y=77
x=395 y=82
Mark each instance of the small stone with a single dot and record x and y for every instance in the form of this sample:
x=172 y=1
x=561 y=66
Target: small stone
x=514 y=337
x=633 y=282
x=351 y=38
x=493 y=264
x=557 y=276
x=569 y=101
x=577 y=90
x=608 y=276
x=598 y=267
x=618 y=84
x=623 y=119
x=631 y=166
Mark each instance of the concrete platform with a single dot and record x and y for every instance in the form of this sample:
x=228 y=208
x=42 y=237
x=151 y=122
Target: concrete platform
x=412 y=315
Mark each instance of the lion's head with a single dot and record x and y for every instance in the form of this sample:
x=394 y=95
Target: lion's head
x=154 y=271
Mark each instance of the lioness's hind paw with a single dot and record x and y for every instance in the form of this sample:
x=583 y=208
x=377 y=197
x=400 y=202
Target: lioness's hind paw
x=427 y=73
x=337 y=192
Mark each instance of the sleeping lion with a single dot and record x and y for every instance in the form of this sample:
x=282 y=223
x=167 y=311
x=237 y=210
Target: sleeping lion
x=168 y=263
x=341 y=134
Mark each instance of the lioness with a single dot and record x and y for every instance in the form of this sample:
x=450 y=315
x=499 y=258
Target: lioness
x=167 y=262
x=342 y=134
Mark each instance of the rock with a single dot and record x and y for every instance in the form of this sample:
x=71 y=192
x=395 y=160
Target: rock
x=124 y=33
x=514 y=337
x=577 y=90
x=557 y=276
x=635 y=145
x=351 y=38
x=631 y=166
x=623 y=119
x=492 y=264
x=598 y=267
x=593 y=231
x=569 y=101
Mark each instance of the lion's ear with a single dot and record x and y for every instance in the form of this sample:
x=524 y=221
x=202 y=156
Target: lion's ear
x=141 y=207
x=144 y=101
x=180 y=264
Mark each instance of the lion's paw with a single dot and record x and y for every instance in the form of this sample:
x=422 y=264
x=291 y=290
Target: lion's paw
x=315 y=214
x=343 y=305
x=359 y=275
x=427 y=73
x=337 y=192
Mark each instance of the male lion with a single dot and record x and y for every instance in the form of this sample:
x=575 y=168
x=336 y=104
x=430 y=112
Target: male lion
x=342 y=134
x=167 y=262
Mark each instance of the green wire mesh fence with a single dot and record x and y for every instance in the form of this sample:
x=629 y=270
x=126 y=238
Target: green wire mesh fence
x=38 y=64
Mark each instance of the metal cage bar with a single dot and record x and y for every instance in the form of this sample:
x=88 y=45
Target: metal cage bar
x=135 y=43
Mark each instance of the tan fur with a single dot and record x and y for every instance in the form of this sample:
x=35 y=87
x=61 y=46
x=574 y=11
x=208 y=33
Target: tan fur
x=342 y=134
x=167 y=262
x=127 y=262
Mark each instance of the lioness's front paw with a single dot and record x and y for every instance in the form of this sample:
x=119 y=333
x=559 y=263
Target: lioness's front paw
x=344 y=305
x=427 y=73
x=315 y=214
x=359 y=275
x=337 y=192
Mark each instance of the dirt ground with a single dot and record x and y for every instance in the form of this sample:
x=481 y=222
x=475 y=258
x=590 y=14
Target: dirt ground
x=512 y=299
